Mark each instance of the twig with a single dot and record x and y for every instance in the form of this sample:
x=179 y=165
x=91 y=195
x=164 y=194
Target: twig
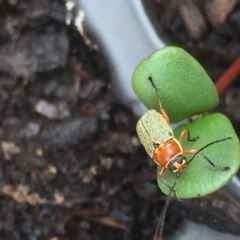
x=228 y=77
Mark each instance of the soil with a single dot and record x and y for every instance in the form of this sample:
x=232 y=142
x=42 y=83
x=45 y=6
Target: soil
x=69 y=160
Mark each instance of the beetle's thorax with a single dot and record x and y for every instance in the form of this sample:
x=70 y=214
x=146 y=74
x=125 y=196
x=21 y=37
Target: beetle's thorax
x=167 y=151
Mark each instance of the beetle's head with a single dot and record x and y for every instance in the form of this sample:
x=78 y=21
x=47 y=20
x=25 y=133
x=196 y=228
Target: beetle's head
x=177 y=164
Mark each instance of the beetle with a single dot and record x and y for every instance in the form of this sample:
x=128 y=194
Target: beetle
x=158 y=139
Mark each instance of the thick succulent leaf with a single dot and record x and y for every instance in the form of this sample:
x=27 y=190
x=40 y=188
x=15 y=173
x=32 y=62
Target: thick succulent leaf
x=184 y=87
x=200 y=178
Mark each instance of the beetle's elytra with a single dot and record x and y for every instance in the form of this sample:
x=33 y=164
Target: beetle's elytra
x=153 y=131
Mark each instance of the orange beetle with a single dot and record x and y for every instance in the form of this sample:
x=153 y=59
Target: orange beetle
x=158 y=139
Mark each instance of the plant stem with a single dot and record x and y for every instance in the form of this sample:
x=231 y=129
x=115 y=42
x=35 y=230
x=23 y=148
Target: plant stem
x=228 y=77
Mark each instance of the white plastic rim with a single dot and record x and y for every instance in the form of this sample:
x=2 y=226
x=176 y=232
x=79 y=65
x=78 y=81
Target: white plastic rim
x=126 y=36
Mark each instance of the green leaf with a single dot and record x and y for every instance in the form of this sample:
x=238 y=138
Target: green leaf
x=200 y=178
x=184 y=87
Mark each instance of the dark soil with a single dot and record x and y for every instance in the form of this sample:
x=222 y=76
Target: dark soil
x=195 y=26
x=71 y=167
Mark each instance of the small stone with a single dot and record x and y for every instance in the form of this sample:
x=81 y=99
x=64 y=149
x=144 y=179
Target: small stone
x=52 y=111
x=218 y=10
x=193 y=18
x=30 y=130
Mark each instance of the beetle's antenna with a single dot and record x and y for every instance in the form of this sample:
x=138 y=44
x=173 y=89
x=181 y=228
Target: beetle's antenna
x=156 y=91
x=209 y=144
x=158 y=235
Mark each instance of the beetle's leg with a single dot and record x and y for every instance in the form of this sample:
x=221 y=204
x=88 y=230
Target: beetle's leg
x=162 y=111
x=163 y=169
x=168 y=185
x=189 y=139
x=164 y=114
x=172 y=189
x=195 y=152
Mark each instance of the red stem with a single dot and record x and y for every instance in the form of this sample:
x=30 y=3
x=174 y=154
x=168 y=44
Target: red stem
x=228 y=77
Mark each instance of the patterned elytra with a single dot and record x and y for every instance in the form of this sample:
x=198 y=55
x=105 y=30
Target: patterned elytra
x=153 y=129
